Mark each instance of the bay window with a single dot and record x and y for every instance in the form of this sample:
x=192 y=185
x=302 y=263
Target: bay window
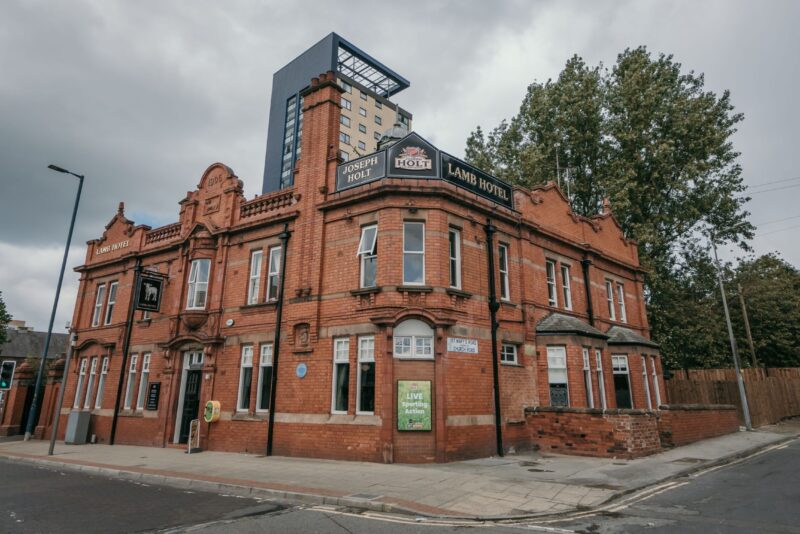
x=198 y=284
x=413 y=339
x=622 y=383
x=587 y=379
x=557 y=376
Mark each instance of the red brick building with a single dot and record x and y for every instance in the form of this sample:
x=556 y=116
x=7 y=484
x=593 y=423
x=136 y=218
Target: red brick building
x=387 y=296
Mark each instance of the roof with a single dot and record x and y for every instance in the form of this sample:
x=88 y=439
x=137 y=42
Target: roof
x=618 y=335
x=27 y=344
x=366 y=70
x=558 y=323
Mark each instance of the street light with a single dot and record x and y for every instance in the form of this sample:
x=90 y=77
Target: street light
x=32 y=419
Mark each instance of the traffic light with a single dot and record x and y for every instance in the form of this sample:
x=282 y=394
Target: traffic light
x=7 y=374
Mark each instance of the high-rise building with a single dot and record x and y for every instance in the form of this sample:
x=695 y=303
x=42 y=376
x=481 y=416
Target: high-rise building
x=366 y=109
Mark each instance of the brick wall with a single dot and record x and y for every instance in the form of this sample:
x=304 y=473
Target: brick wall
x=680 y=424
x=626 y=433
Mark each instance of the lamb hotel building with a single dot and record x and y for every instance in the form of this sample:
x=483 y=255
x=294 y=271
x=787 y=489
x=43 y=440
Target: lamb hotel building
x=398 y=307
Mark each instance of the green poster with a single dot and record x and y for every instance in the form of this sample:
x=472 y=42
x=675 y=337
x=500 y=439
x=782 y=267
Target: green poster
x=414 y=405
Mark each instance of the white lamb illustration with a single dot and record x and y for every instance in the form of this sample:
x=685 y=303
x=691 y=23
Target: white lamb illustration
x=150 y=292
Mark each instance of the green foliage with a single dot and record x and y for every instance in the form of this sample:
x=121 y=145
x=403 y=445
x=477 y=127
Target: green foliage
x=771 y=291
x=5 y=317
x=650 y=138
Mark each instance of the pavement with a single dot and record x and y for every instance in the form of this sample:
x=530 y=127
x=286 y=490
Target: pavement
x=513 y=487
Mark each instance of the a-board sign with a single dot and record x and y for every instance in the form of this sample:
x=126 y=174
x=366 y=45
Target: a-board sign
x=414 y=412
x=153 y=394
x=193 y=445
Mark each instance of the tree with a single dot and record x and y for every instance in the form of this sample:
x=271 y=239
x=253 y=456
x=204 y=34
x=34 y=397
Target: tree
x=657 y=144
x=5 y=317
x=771 y=290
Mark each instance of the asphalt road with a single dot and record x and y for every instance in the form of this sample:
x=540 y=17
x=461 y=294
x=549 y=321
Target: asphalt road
x=758 y=494
x=39 y=499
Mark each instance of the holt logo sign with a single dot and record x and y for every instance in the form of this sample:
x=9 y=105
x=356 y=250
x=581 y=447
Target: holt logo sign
x=413 y=158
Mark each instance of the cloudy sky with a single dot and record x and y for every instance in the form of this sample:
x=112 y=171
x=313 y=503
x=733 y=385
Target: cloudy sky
x=142 y=96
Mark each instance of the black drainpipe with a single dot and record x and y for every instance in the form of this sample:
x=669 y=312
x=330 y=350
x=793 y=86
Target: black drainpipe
x=494 y=305
x=585 y=263
x=126 y=345
x=284 y=237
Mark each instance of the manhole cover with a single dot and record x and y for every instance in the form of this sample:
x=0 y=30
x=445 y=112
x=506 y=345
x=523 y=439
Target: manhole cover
x=527 y=463
x=688 y=461
x=539 y=470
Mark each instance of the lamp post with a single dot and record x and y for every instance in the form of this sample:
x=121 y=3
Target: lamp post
x=36 y=393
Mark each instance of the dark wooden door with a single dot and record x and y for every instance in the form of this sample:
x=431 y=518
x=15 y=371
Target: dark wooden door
x=191 y=403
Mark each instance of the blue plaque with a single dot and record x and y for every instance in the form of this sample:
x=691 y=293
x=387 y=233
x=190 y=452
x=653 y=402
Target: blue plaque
x=301 y=370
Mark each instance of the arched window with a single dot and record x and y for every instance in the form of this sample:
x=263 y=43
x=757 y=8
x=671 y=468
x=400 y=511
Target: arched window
x=413 y=339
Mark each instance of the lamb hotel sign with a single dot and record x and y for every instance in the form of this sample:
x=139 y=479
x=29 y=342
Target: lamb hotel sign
x=413 y=157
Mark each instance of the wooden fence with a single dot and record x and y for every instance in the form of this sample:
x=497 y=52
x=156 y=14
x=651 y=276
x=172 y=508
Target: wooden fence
x=772 y=394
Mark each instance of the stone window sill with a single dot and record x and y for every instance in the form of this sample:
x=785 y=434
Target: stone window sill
x=415 y=289
x=458 y=293
x=246 y=416
x=365 y=291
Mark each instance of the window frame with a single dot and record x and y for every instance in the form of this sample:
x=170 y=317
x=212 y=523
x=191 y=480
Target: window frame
x=502 y=266
x=367 y=253
x=550 y=374
x=87 y=402
x=254 y=280
x=627 y=372
x=365 y=357
x=601 y=381
x=656 y=388
x=362 y=145
x=612 y=314
x=144 y=377
x=242 y=396
x=110 y=302
x=378 y=120
x=362 y=111
x=126 y=405
x=454 y=254
x=504 y=354
x=566 y=287
x=362 y=128
x=346 y=104
x=344 y=120
x=82 y=365
x=101 y=384
x=263 y=356
x=344 y=138
x=587 y=377
x=408 y=224
x=194 y=284
x=552 y=282
x=274 y=275
x=623 y=312
x=341 y=357
x=646 y=381
x=99 y=299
